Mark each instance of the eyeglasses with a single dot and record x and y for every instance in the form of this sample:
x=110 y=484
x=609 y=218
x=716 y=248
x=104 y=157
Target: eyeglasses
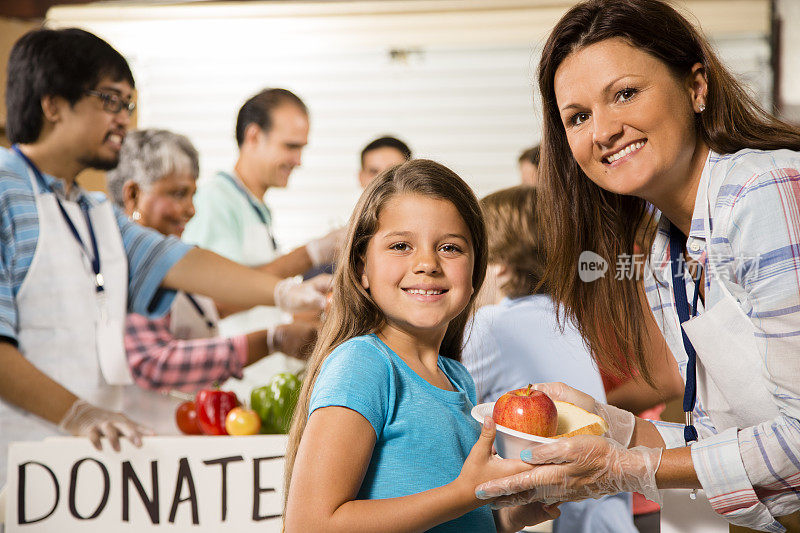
x=113 y=103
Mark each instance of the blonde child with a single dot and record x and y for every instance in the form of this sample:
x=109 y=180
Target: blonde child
x=382 y=439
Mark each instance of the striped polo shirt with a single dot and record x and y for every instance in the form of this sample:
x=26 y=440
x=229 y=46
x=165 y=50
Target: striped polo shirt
x=150 y=254
x=752 y=474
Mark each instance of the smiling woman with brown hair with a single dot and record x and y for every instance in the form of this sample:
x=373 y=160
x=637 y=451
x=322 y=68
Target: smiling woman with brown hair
x=639 y=113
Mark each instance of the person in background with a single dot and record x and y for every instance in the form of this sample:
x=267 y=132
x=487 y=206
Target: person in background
x=382 y=432
x=516 y=340
x=665 y=125
x=529 y=166
x=154 y=183
x=70 y=264
x=379 y=155
x=232 y=218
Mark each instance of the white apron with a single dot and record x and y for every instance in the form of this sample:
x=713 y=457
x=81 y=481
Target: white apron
x=731 y=377
x=64 y=329
x=155 y=409
x=186 y=322
x=732 y=381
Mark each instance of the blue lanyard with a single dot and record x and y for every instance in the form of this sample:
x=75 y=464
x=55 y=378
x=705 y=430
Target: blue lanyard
x=199 y=309
x=94 y=258
x=256 y=208
x=676 y=245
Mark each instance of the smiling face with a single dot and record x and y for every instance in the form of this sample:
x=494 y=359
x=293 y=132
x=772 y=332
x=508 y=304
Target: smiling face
x=629 y=120
x=166 y=206
x=279 y=150
x=93 y=134
x=418 y=264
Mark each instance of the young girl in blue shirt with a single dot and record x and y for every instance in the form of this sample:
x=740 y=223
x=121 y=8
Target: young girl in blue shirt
x=382 y=438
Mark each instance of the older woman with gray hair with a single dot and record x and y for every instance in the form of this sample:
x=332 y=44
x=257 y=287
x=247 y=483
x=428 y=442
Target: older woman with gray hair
x=154 y=183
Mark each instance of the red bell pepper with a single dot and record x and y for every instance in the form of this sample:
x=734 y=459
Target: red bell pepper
x=212 y=408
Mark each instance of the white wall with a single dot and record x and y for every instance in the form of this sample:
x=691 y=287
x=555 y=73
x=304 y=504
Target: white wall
x=462 y=94
x=789 y=12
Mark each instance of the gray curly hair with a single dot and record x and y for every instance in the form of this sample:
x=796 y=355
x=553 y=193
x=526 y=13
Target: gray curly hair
x=149 y=155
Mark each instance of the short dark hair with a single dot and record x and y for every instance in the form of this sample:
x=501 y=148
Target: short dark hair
x=258 y=110
x=531 y=155
x=387 y=142
x=64 y=63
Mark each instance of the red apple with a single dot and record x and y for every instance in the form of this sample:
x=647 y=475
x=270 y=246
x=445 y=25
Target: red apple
x=527 y=410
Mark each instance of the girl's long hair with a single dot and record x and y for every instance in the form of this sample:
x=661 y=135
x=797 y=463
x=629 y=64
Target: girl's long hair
x=352 y=311
x=579 y=215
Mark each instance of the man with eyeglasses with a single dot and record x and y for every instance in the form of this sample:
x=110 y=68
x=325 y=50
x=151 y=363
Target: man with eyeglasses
x=70 y=266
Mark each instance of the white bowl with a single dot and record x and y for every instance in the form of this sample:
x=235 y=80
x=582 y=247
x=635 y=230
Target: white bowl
x=508 y=442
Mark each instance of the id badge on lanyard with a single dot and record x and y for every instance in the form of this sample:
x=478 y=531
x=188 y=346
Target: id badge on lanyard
x=94 y=256
x=676 y=244
x=108 y=331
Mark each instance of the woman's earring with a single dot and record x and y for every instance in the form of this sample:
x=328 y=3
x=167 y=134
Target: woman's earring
x=136 y=216
x=701 y=107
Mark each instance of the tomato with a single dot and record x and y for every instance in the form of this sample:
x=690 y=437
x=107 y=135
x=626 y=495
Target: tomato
x=241 y=421
x=186 y=419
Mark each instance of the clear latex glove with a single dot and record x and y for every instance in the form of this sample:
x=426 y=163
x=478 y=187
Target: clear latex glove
x=577 y=468
x=294 y=294
x=620 y=422
x=295 y=339
x=322 y=251
x=482 y=464
x=84 y=419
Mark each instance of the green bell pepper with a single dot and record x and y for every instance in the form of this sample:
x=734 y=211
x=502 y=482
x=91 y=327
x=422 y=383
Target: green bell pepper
x=275 y=402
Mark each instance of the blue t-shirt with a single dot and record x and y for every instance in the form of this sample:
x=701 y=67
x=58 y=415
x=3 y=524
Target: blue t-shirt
x=424 y=433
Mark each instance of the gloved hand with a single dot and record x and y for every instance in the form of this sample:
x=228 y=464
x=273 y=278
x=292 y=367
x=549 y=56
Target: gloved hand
x=322 y=251
x=295 y=339
x=620 y=422
x=294 y=294
x=577 y=468
x=482 y=464
x=84 y=419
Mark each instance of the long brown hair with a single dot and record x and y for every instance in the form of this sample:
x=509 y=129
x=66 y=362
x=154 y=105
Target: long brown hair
x=578 y=215
x=352 y=310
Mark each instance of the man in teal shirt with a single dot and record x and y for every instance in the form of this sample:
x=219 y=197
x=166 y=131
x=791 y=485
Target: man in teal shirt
x=232 y=218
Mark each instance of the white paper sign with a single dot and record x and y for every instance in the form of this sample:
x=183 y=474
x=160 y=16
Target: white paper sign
x=170 y=484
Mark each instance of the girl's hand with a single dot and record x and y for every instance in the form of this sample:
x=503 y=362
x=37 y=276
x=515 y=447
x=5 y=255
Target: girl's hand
x=577 y=468
x=482 y=465
x=516 y=518
x=620 y=422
